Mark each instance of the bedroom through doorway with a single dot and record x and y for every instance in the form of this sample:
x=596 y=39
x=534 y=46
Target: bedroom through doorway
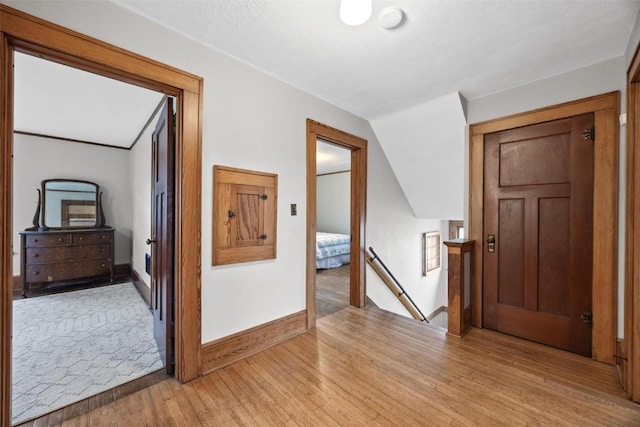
x=82 y=323
x=333 y=219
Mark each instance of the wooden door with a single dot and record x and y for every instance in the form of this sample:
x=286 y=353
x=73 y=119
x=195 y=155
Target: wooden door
x=538 y=230
x=162 y=274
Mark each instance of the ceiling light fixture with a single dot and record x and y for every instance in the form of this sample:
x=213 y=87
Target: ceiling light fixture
x=355 y=12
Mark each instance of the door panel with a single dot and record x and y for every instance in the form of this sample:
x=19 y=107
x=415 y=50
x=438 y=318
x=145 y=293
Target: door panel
x=554 y=260
x=539 y=206
x=511 y=265
x=249 y=224
x=162 y=275
x=520 y=161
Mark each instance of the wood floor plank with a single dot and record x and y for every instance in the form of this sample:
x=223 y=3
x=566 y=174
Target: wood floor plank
x=366 y=367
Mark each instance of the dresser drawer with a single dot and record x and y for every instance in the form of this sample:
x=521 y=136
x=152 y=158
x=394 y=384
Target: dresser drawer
x=91 y=238
x=67 y=270
x=66 y=253
x=48 y=240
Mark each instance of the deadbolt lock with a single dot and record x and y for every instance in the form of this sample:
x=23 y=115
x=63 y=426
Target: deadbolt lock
x=491 y=243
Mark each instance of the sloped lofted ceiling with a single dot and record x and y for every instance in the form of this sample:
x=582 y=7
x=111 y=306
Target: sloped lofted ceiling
x=60 y=101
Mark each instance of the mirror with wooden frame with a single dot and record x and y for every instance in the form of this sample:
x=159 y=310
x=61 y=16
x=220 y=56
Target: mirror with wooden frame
x=68 y=204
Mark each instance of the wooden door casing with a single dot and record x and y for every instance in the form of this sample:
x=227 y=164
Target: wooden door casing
x=606 y=109
x=358 y=147
x=539 y=206
x=162 y=274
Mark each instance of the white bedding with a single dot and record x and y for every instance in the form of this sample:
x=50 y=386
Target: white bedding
x=332 y=250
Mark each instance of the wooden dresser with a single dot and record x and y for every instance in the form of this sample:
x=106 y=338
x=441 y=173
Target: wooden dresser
x=56 y=256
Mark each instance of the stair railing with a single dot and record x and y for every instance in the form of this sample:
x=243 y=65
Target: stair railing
x=392 y=283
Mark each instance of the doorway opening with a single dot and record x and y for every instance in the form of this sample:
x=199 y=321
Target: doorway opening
x=357 y=187
x=34 y=36
x=83 y=325
x=333 y=240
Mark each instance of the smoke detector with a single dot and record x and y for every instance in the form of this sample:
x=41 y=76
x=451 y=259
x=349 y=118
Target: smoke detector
x=391 y=17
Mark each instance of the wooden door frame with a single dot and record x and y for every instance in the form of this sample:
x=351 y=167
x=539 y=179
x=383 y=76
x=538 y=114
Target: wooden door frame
x=358 y=147
x=606 y=109
x=632 y=239
x=25 y=33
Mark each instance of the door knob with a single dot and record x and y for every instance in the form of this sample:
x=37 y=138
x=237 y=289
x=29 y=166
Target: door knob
x=149 y=241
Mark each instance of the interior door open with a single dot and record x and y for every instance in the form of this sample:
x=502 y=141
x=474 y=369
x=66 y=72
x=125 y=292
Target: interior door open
x=162 y=259
x=538 y=231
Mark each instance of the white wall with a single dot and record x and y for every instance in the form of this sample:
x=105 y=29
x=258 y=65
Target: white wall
x=607 y=76
x=634 y=39
x=333 y=200
x=36 y=158
x=140 y=172
x=396 y=237
x=424 y=143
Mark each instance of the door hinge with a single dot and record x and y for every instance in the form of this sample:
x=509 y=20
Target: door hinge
x=589 y=134
x=587 y=317
x=264 y=197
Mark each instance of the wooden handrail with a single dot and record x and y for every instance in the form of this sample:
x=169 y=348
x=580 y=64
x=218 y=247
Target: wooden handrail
x=392 y=283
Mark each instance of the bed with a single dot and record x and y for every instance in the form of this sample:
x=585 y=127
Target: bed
x=332 y=250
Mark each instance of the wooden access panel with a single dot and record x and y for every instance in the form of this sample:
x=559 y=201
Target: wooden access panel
x=244 y=215
x=539 y=221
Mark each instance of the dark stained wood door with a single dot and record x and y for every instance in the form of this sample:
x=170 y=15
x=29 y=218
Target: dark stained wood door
x=538 y=199
x=162 y=275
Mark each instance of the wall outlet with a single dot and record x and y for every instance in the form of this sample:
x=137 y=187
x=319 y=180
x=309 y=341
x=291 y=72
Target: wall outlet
x=147 y=263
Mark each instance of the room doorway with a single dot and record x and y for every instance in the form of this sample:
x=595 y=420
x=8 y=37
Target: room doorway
x=333 y=238
x=80 y=331
x=358 y=150
x=19 y=31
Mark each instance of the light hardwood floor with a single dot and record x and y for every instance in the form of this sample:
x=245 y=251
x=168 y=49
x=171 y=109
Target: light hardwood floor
x=370 y=367
x=332 y=290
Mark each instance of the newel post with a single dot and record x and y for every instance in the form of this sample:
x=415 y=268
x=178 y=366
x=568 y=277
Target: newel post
x=460 y=253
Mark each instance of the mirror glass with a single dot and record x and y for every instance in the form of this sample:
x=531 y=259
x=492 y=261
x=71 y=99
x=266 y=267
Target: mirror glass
x=69 y=203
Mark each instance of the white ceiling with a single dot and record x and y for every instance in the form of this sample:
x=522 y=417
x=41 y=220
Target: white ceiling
x=473 y=47
x=476 y=47
x=60 y=101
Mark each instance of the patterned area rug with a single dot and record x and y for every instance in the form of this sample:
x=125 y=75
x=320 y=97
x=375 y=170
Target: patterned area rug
x=70 y=346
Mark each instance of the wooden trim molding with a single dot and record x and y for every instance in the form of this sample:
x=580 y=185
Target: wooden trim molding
x=60 y=138
x=31 y=35
x=621 y=361
x=219 y=353
x=632 y=238
x=358 y=147
x=141 y=287
x=6 y=231
x=605 y=280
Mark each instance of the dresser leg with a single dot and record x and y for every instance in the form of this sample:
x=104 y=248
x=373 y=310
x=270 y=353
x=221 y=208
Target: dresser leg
x=25 y=288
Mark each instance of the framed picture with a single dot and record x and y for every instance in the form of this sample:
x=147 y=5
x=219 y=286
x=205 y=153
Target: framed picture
x=431 y=252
